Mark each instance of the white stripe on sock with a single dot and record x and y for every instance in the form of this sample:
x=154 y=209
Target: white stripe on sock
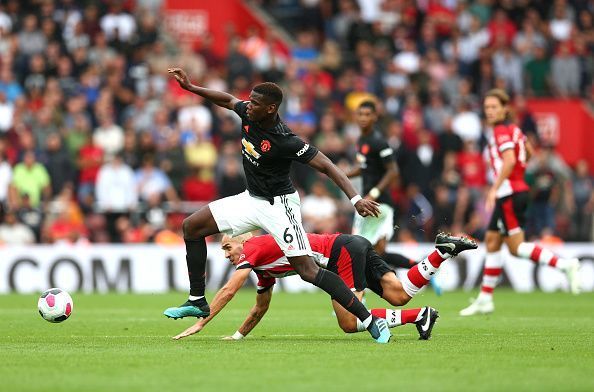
x=393 y=317
x=408 y=287
x=427 y=269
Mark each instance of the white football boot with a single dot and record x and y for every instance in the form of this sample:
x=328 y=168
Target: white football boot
x=572 y=270
x=479 y=306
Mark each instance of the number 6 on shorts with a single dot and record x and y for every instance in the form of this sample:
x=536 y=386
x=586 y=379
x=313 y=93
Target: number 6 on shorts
x=287 y=236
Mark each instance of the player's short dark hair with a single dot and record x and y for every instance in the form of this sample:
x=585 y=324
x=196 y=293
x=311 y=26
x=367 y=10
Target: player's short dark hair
x=271 y=91
x=369 y=105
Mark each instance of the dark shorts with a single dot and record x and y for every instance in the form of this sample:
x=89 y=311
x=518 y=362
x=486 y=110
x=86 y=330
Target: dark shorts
x=509 y=215
x=357 y=263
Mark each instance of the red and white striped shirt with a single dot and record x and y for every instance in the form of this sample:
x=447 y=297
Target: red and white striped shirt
x=263 y=255
x=506 y=136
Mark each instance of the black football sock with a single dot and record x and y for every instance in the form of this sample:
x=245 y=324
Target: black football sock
x=397 y=260
x=196 y=261
x=333 y=285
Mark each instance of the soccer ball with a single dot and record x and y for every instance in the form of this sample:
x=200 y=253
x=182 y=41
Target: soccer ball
x=55 y=305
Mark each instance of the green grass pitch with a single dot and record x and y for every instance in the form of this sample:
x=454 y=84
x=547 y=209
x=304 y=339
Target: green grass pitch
x=534 y=342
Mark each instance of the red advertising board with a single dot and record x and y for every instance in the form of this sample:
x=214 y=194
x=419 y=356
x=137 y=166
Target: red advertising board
x=189 y=20
x=568 y=125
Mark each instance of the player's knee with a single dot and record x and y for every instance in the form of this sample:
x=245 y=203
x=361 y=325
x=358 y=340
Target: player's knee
x=309 y=273
x=397 y=297
x=402 y=298
x=192 y=228
x=188 y=228
x=307 y=269
x=513 y=249
x=493 y=243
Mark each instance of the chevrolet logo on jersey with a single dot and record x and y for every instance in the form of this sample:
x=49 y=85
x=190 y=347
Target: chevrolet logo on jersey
x=250 y=149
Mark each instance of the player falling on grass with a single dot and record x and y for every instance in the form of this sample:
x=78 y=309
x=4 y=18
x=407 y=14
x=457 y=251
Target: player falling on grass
x=508 y=198
x=270 y=201
x=377 y=167
x=353 y=258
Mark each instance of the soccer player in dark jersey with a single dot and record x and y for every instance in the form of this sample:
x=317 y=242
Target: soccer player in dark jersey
x=270 y=201
x=377 y=167
x=508 y=199
x=350 y=256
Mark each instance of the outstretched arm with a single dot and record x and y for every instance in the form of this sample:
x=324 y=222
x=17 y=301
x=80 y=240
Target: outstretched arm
x=221 y=299
x=324 y=165
x=219 y=98
x=255 y=315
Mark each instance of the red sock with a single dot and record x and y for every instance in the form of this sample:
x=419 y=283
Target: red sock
x=410 y=315
x=381 y=313
x=436 y=259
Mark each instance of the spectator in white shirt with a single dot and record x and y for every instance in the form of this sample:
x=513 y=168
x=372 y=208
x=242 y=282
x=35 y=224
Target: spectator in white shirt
x=5 y=178
x=319 y=210
x=6 y=113
x=13 y=232
x=109 y=136
x=561 y=24
x=408 y=60
x=195 y=116
x=118 y=24
x=466 y=123
x=115 y=188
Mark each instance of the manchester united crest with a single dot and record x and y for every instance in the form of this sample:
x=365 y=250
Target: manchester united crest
x=265 y=146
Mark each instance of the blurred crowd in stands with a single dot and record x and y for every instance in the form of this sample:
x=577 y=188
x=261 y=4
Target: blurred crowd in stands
x=98 y=144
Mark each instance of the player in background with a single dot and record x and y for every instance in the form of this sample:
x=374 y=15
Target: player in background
x=377 y=167
x=508 y=198
x=353 y=258
x=270 y=202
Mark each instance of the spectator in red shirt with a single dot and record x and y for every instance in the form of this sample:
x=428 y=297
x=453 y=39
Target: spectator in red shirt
x=501 y=26
x=472 y=167
x=199 y=186
x=90 y=158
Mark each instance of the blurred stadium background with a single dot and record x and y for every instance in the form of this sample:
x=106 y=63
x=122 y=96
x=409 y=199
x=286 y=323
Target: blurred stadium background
x=99 y=146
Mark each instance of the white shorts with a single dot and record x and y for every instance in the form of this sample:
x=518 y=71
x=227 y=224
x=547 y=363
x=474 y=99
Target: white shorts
x=241 y=213
x=374 y=229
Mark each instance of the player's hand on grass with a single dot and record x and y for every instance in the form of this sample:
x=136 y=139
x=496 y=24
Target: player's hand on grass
x=181 y=77
x=190 y=331
x=367 y=207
